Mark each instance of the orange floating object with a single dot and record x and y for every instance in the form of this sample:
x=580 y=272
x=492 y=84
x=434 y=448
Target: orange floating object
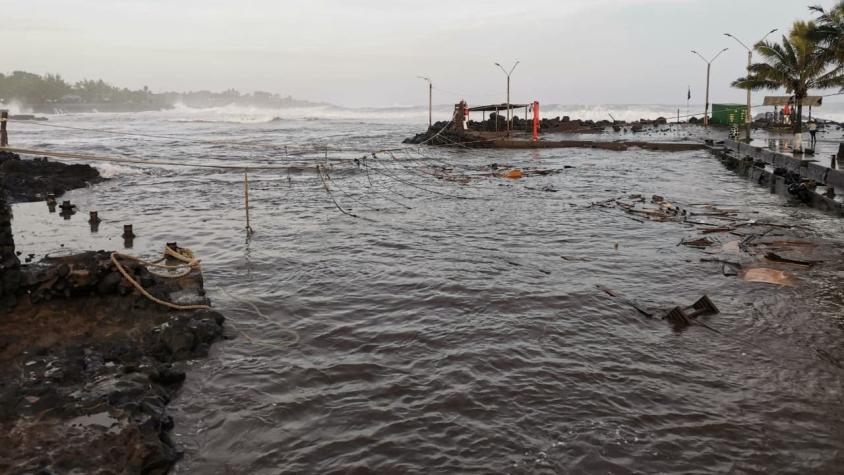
x=768 y=276
x=514 y=173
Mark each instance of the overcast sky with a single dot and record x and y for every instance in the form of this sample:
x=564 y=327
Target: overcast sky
x=369 y=52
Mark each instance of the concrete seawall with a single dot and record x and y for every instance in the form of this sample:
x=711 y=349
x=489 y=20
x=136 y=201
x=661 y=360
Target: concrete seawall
x=784 y=174
x=811 y=169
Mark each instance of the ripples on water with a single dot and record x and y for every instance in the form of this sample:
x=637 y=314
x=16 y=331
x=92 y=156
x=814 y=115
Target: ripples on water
x=452 y=337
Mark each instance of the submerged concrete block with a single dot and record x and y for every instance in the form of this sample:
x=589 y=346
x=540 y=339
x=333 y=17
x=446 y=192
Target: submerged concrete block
x=791 y=164
x=767 y=156
x=835 y=178
x=778 y=160
x=816 y=172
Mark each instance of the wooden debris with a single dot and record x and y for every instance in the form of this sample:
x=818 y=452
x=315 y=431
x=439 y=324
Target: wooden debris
x=777 y=258
x=768 y=276
x=699 y=243
x=716 y=230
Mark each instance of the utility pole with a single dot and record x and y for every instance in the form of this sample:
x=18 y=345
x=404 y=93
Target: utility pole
x=509 y=123
x=706 y=107
x=748 y=120
x=708 y=68
x=430 y=100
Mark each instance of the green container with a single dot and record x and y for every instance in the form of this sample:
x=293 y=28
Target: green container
x=729 y=114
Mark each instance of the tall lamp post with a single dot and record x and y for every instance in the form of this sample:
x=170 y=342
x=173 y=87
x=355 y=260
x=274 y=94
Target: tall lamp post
x=508 y=91
x=708 y=67
x=748 y=120
x=430 y=96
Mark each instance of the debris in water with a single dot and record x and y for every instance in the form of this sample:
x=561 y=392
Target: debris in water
x=731 y=247
x=777 y=258
x=683 y=317
x=717 y=230
x=766 y=275
x=730 y=268
x=698 y=243
x=637 y=307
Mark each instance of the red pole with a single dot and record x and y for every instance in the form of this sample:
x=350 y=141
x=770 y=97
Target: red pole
x=535 y=121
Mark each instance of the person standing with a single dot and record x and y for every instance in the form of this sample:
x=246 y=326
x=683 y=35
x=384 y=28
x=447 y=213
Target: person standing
x=813 y=132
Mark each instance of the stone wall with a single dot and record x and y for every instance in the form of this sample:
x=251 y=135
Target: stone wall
x=10 y=274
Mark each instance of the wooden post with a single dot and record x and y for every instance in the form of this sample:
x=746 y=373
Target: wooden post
x=246 y=201
x=4 y=137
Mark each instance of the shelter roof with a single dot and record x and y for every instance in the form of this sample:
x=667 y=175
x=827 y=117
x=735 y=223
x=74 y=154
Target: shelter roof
x=497 y=107
x=811 y=101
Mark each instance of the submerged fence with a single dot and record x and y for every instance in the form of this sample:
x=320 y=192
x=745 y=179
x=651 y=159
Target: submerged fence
x=316 y=155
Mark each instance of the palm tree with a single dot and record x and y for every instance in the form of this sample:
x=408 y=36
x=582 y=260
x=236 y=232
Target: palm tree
x=797 y=65
x=829 y=32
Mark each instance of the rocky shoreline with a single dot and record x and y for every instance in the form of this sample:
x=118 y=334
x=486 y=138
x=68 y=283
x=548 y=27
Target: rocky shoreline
x=440 y=134
x=87 y=363
x=33 y=180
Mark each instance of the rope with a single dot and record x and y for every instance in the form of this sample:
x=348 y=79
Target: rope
x=328 y=190
x=191 y=263
x=349 y=194
x=95 y=158
x=382 y=171
x=295 y=335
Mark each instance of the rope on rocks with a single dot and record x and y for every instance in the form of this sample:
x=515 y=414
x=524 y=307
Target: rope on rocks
x=189 y=261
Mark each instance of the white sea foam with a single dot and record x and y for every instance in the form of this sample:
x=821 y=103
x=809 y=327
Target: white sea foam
x=111 y=170
x=627 y=112
x=15 y=107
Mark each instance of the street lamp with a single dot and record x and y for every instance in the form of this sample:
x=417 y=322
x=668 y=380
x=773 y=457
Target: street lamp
x=708 y=67
x=430 y=95
x=508 y=91
x=748 y=120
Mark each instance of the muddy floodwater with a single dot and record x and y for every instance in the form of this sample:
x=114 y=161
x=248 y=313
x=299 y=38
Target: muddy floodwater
x=455 y=325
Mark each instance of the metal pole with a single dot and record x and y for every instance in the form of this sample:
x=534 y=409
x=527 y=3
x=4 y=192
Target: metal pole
x=706 y=107
x=508 y=73
x=431 y=103
x=4 y=137
x=748 y=121
x=246 y=200
x=708 y=68
x=509 y=124
x=430 y=100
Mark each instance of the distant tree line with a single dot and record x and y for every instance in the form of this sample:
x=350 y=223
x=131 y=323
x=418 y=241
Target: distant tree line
x=37 y=90
x=34 y=89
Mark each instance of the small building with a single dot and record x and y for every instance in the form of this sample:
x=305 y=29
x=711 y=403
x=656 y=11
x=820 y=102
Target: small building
x=729 y=114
